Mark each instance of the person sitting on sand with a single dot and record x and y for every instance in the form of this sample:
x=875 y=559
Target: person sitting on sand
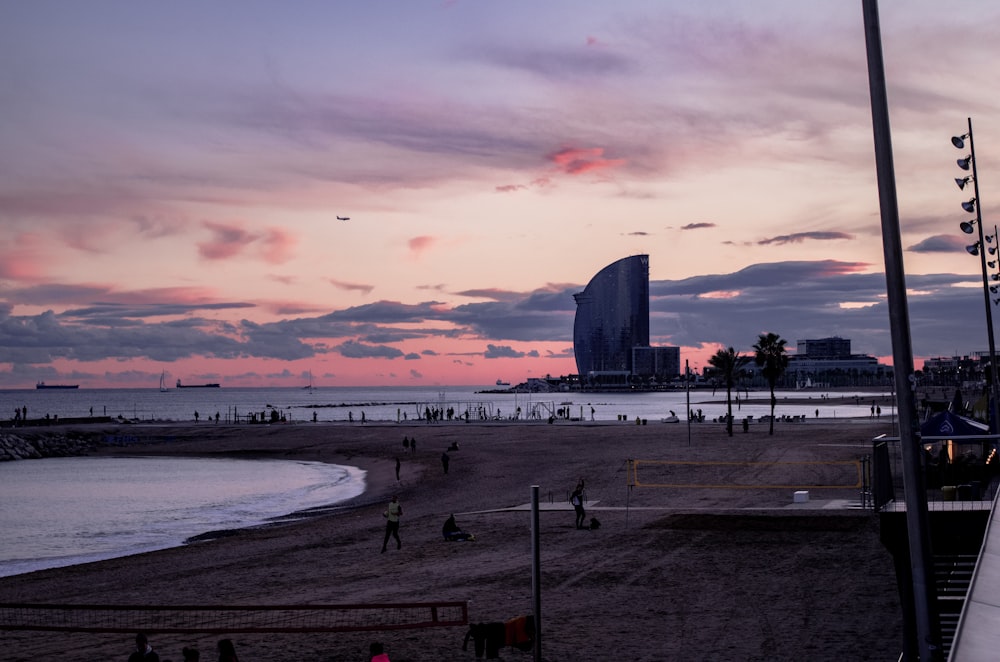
x=143 y=651
x=451 y=531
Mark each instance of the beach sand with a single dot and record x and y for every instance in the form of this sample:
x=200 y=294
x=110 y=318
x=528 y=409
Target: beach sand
x=725 y=567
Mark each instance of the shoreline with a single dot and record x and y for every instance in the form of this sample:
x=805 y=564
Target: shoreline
x=699 y=573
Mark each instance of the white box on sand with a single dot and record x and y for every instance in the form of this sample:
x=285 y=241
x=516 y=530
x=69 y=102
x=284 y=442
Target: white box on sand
x=802 y=496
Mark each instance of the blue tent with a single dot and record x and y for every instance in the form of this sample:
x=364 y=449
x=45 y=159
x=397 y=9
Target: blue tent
x=947 y=424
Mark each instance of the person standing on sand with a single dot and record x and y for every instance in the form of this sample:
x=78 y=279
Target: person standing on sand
x=392 y=514
x=577 y=500
x=445 y=459
x=227 y=651
x=397 y=468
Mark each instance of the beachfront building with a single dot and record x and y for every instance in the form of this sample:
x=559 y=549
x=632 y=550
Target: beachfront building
x=611 y=330
x=656 y=365
x=966 y=371
x=827 y=362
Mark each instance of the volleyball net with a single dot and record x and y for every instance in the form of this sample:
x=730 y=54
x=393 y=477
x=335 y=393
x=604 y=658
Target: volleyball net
x=845 y=474
x=231 y=619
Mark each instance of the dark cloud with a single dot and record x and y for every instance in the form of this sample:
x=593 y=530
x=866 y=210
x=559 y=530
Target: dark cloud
x=941 y=243
x=797 y=300
x=799 y=237
x=351 y=287
x=697 y=226
x=355 y=350
x=502 y=352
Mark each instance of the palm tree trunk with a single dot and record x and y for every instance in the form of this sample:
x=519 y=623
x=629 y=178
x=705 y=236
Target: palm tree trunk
x=729 y=410
x=774 y=401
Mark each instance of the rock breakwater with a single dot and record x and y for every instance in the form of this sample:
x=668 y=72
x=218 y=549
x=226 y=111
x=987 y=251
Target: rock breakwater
x=35 y=446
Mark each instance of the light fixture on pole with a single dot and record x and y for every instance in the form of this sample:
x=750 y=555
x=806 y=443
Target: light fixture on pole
x=980 y=249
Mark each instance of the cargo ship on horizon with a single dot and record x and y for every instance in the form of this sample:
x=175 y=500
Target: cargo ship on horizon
x=179 y=385
x=43 y=385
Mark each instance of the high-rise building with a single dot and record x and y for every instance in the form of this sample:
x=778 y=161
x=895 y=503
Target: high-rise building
x=612 y=318
x=825 y=348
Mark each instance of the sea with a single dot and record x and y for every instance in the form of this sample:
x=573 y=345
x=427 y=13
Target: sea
x=402 y=404
x=64 y=511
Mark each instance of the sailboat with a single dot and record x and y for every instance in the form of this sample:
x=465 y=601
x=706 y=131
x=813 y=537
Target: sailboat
x=163 y=382
x=310 y=386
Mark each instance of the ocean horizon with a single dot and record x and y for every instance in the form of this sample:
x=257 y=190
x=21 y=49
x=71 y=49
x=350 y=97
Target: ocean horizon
x=405 y=404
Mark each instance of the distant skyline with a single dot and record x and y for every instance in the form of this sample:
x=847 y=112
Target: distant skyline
x=173 y=178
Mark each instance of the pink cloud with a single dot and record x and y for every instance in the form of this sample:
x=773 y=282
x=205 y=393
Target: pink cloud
x=23 y=260
x=421 y=243
x=578 y=161
x=226 y=241
x=277 y=246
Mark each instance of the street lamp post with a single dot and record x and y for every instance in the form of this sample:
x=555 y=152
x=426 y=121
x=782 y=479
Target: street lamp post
x=979 y=248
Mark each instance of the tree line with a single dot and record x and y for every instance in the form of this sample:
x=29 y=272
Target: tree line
x=769 y=355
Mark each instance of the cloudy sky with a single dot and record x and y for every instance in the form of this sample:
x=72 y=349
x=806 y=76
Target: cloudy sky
x=171 y=176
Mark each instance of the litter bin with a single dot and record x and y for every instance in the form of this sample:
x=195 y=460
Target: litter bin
x=947 y=492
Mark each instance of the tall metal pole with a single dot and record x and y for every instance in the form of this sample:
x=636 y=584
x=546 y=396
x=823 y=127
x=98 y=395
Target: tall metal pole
x=536 y=573
x=687 y=390
x=926 y=619
x=991 y=392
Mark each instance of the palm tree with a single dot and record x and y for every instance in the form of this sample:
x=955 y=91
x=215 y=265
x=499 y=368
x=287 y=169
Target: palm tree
x=728 y=363
x=769 y=353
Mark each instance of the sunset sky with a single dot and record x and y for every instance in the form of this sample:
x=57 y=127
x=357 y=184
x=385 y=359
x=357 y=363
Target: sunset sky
x=171 y=175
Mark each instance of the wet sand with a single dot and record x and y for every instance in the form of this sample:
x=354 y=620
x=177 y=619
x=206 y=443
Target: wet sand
x=719 y=564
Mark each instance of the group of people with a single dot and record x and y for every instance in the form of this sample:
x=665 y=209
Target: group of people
x=144 y=651
x=227 y=651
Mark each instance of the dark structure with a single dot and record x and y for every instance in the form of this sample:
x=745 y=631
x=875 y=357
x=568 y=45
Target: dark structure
x=611 y=330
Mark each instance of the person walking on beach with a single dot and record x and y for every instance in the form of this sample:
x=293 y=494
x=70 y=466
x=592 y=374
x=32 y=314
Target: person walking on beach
x=143 y=651
x=397 y=468
x=445 y=459
x=392 y=514
x=227 y=651
x=577 y=500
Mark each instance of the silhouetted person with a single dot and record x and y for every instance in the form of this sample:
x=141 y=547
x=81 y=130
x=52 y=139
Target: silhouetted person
x=143 y=651
x=227 y=651
x=377 y=651
x=445 y=459
x=392 y=514
x=577 y=500
x=190 y=654
x=452 y=532
x=397 y=469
